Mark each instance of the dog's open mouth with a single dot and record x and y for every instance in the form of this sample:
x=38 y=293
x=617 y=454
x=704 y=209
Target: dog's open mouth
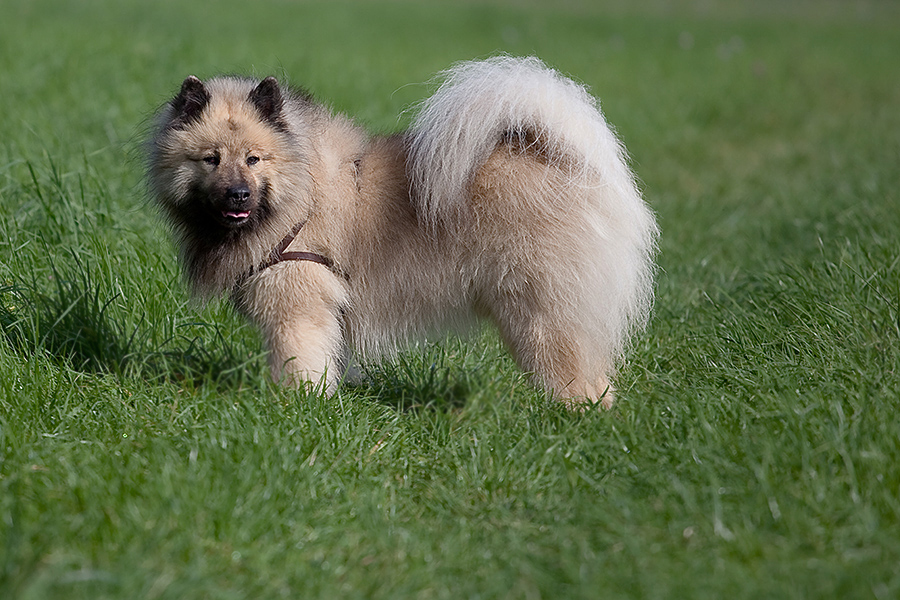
x=235 y=217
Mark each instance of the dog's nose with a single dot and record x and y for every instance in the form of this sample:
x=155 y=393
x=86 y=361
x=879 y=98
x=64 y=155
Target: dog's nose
x=238 y=194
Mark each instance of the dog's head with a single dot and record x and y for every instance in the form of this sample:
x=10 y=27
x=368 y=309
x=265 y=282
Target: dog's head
x=221 y=147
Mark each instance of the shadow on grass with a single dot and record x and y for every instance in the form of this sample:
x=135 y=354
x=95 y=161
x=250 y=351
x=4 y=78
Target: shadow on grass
x=75 y=323
x=408 y=388
x=440 y=377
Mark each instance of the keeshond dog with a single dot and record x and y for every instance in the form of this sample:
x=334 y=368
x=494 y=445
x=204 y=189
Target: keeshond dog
x=509 y=199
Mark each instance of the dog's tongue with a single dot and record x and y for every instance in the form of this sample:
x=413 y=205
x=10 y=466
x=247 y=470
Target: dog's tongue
x=236 y=214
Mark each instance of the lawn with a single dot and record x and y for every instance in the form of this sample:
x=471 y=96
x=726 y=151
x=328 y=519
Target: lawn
x=754 y=450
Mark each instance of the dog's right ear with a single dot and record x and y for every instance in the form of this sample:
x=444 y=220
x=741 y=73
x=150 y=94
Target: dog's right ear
x=189 y=102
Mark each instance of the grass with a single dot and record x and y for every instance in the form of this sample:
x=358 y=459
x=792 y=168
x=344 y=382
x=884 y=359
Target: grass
x=754 y=449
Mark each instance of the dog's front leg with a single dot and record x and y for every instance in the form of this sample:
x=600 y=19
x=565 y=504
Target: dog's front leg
x=305 y=350
x=297 y=306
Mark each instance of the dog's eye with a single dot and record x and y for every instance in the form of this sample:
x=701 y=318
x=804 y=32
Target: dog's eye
x=252 y=160
x=211 y=160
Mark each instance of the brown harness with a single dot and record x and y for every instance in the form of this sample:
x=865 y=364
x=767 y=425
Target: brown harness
x=278 y=254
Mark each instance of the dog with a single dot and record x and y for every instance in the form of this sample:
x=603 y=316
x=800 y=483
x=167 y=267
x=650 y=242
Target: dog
x=508 y=199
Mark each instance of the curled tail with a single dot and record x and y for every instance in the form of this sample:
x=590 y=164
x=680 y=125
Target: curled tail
x=481 y=101
x=479 y=104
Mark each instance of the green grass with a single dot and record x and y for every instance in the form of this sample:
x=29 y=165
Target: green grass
x=754 y=451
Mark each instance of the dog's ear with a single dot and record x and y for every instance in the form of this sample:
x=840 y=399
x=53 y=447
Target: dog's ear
x=267 y=99
x=189 y=102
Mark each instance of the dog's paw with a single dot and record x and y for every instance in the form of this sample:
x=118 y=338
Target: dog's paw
x=584 y=397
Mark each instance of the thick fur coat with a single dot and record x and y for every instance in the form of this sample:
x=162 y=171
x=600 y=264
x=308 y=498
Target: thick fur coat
x=508 y=199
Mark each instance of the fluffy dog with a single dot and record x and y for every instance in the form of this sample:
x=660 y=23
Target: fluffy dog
x=509 y=198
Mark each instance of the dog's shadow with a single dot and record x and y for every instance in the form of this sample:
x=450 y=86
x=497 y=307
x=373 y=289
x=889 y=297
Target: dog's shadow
x=75 y=323
x=407 y=385
x=443 y=375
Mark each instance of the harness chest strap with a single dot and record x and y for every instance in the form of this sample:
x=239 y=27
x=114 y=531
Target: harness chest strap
x=278 y=253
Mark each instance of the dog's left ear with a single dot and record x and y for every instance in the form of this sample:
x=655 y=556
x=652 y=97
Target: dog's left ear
x=267 y=99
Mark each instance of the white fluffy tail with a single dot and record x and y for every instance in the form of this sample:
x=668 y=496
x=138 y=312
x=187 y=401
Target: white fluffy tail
x=479 y=103
x=460 y=125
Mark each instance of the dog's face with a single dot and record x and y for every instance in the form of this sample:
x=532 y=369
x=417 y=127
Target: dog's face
x=219 y=152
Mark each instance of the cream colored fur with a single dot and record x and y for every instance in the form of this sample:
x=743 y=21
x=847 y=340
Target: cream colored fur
x=509 y=199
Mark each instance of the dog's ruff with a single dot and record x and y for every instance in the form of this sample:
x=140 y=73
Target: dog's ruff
x=509 y=198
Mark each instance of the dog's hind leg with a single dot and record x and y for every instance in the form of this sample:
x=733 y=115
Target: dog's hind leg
x=554 y=349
